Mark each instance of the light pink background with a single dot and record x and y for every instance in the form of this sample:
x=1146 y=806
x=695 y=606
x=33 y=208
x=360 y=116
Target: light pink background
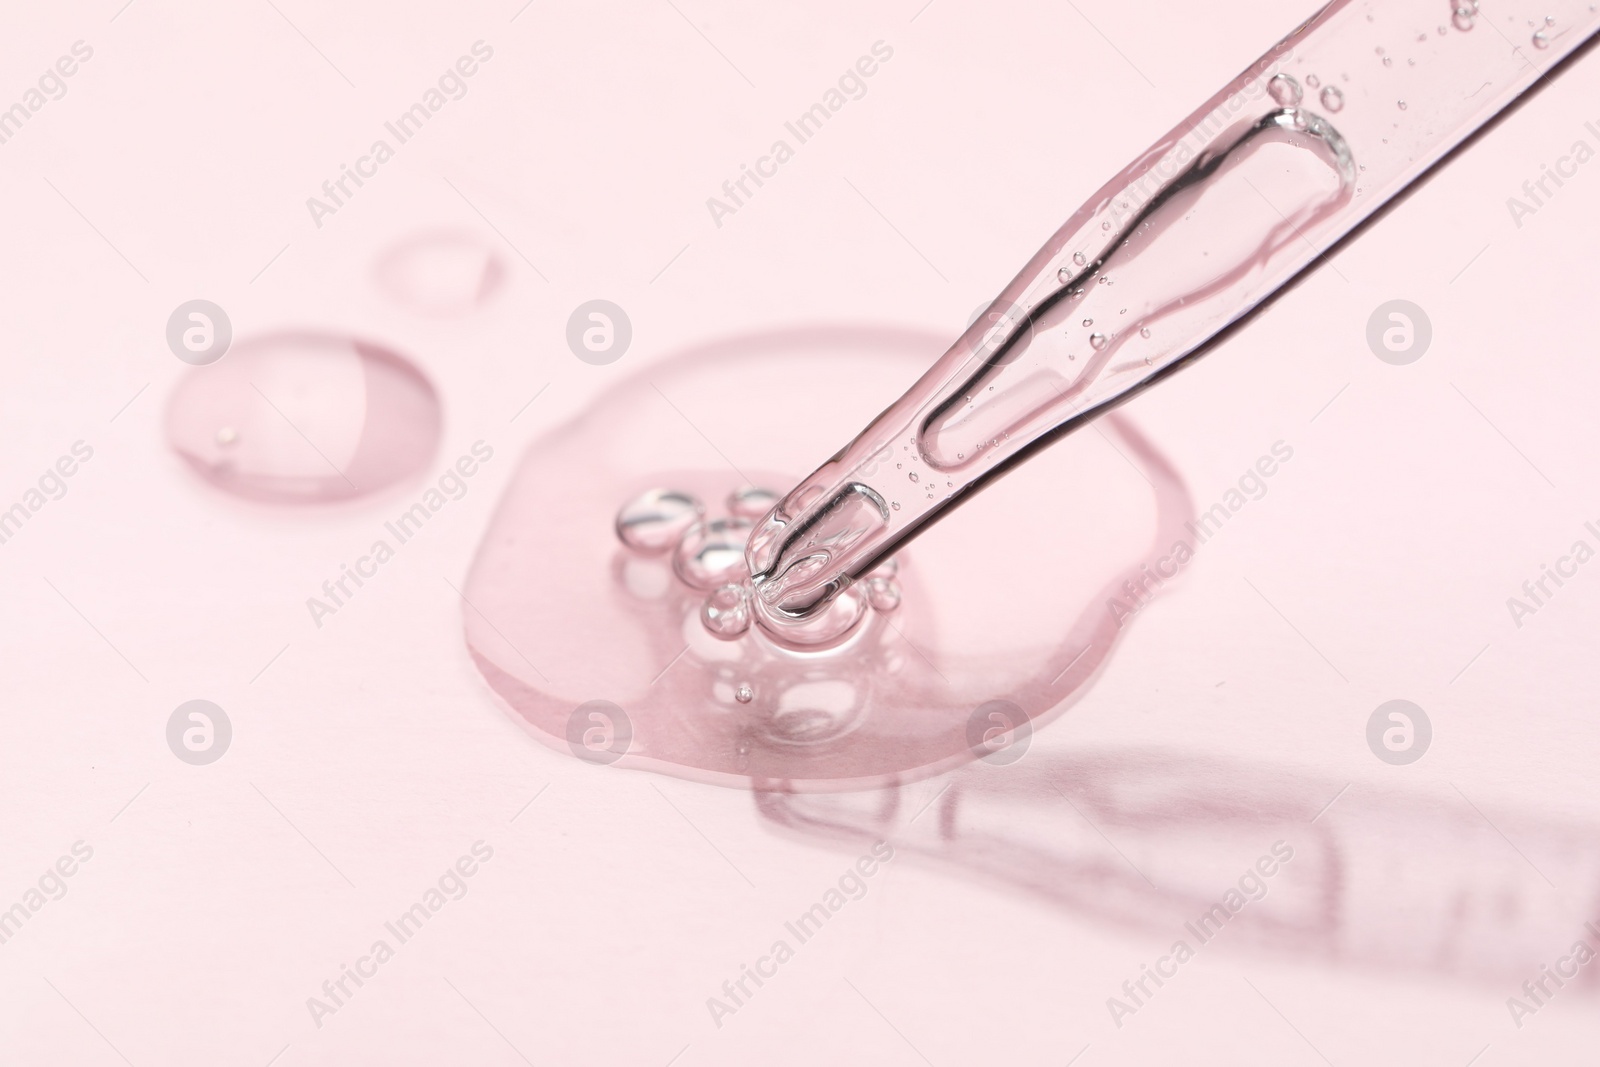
x=606 y=918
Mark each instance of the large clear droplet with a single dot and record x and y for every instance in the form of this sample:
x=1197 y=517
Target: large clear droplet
x=712 y=553
x=750 y=502
x=657 y=519
x=305 y=418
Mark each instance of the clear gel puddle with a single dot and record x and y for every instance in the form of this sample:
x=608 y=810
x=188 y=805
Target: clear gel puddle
x=605 y=576
x=445 y=273
x=305 y=418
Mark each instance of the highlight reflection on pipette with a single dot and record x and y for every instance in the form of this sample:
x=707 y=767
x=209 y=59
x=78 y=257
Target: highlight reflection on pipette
x=1218 y=215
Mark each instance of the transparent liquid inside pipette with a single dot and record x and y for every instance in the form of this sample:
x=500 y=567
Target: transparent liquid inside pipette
x=1124 y=302
x=1202 y=228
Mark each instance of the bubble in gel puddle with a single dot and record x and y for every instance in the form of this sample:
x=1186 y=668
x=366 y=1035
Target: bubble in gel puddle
x=657 y=519
x=1332 y=98
x=726 y=612
x=1284 y=90
x=751 y=502
x=744 y=694
x=712 y=553
x=882 y=593
x=441 y=273
x=297 y=418
x=1312 y=81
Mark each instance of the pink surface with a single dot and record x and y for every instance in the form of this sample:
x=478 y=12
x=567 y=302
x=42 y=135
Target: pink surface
x=188 y=914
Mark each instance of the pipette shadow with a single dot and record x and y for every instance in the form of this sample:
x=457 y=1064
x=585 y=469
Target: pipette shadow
x=1191 y=848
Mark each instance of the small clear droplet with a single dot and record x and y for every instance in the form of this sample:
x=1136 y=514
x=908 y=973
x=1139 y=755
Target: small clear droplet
x=744 y=694
x=913 y=476
x=1402 y=105
x=1284 y=90
x=1332 y=98
x=1105 y=279
x=883 y=594
x=1105 y=225
x=726 y=612
x=443 y=273
x=1097 y=340
x=1312 y=81
x=227 y=436
x=1144 y=331
x=1541 y=40
x=1088 y=322
x=896 y=504
x=657 y=519
x=1463 y=18
x=1065 y=274
x=1079 y=258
